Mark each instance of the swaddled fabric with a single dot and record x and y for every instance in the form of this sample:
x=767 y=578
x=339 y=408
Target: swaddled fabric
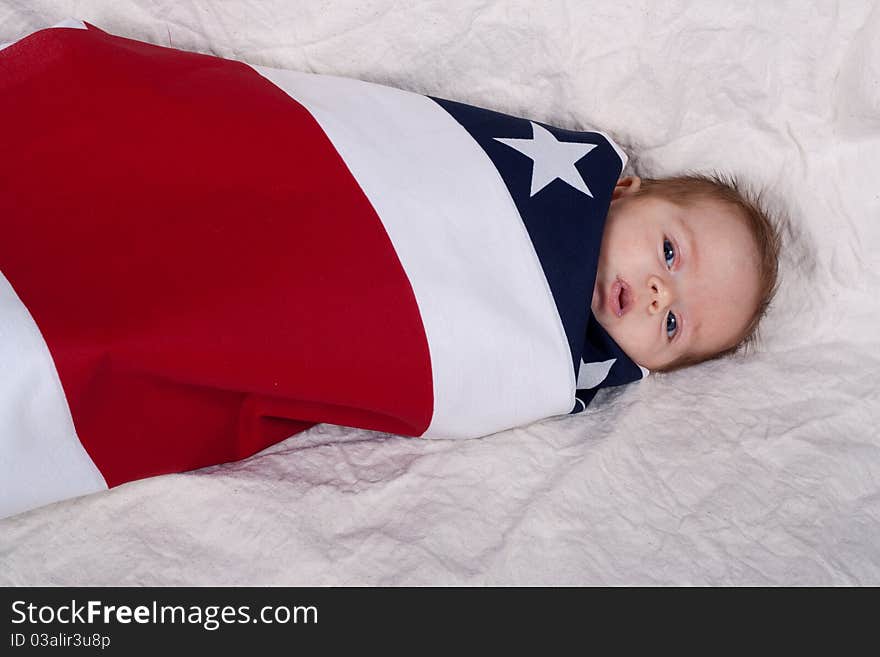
x=202 y=257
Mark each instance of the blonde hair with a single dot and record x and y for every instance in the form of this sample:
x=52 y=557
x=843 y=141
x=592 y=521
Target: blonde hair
x=725 y=189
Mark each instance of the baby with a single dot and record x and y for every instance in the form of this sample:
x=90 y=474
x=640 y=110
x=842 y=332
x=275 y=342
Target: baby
x=346 y=253
x=687 y=269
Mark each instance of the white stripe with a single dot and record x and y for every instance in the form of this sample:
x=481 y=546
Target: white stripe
x=41 y=458
x=499 y=354
x=69 y=22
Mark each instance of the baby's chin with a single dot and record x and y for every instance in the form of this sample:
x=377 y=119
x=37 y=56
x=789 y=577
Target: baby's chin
x=600 y=312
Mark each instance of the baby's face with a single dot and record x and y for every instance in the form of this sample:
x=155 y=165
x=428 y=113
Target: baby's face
x=673 y=280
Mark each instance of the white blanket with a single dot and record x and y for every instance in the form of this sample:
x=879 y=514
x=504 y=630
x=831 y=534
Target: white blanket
x=756 y=470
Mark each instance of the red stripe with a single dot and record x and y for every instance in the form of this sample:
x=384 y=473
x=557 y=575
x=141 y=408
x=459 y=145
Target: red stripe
x=207 y=274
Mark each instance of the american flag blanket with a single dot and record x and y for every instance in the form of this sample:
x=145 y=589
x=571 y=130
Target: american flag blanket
x=201 y=257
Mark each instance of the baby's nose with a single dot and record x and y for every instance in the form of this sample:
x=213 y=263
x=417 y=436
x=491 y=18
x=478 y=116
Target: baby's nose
x=659 y=295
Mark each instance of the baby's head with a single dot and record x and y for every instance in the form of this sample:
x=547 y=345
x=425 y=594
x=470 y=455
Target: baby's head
x=687 y=268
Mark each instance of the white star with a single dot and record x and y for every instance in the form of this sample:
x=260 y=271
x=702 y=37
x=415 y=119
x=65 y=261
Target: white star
x=551 y=158
x=592 y=374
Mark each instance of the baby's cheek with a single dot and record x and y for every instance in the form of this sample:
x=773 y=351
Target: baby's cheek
x=638 y=340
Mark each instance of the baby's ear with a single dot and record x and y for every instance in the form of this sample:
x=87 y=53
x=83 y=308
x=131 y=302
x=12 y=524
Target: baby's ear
x=626 y=186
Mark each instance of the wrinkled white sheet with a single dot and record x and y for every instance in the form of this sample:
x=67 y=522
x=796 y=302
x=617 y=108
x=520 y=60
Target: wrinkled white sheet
x=758 y=470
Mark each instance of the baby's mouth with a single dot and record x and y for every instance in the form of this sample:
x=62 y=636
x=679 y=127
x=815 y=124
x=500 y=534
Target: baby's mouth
x=620 y=299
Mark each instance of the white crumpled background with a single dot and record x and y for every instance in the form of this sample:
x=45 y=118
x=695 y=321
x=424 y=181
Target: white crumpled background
x=758 y=470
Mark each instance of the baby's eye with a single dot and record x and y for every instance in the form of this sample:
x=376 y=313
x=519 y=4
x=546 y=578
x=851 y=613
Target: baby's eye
x=671 y=325
x=668 y=252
